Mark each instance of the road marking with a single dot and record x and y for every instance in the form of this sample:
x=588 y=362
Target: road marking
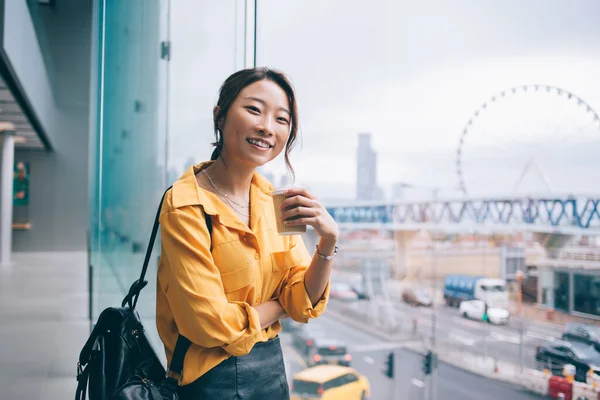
x=369 y=360
x=461 y=332
x=461 y=339
x=536 y=335
x=502 y=338
x=417 y=383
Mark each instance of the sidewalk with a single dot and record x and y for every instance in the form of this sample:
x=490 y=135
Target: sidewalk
x=43 y=309
x=476 y=364
x=535 y=312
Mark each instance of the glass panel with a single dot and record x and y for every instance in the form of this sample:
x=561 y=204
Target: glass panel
x=305 y=387
x=586 y=294
x=334 y=383
x=547 y=285
x=129 y=152
x=411 y=107
x=208 y=45
x=561 y=291
x=95 y=166
x=142 y=97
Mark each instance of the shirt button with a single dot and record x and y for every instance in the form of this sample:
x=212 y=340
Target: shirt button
x=257 y=300
x=256 y=256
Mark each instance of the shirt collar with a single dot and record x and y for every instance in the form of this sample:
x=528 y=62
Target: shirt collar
x=186 y=192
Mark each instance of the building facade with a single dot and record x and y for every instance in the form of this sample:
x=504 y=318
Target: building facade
x=569 y=281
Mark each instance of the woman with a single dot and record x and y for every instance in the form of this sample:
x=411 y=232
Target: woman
x=227 y=291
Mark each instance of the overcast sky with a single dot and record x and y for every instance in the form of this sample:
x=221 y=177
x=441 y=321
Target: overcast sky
x=412 y=74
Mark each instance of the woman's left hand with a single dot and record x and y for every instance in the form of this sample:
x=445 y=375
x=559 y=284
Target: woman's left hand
x=301 y=204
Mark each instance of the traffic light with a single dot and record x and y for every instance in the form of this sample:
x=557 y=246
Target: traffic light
x=428 y=363
x=389 y=366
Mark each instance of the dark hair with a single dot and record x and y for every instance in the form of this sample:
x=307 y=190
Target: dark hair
x=234 y=85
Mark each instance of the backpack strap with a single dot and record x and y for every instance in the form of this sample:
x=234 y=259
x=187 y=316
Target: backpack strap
x=209 y=227
x=137 y=286
x=82 y=381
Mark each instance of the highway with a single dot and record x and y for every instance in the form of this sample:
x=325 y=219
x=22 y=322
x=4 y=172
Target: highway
x=370 y=352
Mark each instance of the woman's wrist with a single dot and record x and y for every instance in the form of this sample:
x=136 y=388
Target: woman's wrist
x=326 y=246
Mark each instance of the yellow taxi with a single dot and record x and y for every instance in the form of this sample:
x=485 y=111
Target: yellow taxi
x=330 y=382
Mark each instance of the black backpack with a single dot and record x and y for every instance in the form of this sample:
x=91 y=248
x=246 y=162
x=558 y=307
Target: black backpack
x=117 y=362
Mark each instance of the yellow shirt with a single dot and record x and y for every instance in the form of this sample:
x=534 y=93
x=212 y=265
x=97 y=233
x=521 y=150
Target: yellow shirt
x=208 y=298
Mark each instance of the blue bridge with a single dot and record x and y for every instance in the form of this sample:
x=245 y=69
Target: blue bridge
x=571 y=215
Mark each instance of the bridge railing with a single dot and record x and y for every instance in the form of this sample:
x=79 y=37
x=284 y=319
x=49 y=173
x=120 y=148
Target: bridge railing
x=575 y=254
x=551 y=212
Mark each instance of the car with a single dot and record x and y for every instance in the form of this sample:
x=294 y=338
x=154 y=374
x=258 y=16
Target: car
x=584 y=333
x=330 y=382
x=329 y=351
x=555 y=354
x=303 y=339
x=342 y=291
x=476 y=309
x=416 y=297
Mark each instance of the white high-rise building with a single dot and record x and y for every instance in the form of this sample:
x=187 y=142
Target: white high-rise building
x=366 y=170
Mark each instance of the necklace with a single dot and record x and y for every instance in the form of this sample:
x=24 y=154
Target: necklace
x=220 y=192
x=234 y=205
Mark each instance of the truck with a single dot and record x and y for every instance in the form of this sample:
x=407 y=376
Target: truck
x=459 y=288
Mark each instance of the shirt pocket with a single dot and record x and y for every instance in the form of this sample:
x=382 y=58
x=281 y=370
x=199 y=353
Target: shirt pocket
x=282 y=260
x=238 y=279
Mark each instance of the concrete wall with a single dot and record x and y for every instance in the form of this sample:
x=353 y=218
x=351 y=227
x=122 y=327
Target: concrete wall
x=58 y=209
x=484 y=262
x=420 y=264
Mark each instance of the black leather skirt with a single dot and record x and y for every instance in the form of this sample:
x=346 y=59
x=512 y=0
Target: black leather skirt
x=258 y=375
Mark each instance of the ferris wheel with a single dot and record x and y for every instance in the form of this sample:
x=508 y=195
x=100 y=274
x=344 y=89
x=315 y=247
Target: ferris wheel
x=530 y=139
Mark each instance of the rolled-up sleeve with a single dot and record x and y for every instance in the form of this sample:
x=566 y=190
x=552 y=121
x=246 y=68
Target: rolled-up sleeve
x=195 y=291
x=294 y=297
